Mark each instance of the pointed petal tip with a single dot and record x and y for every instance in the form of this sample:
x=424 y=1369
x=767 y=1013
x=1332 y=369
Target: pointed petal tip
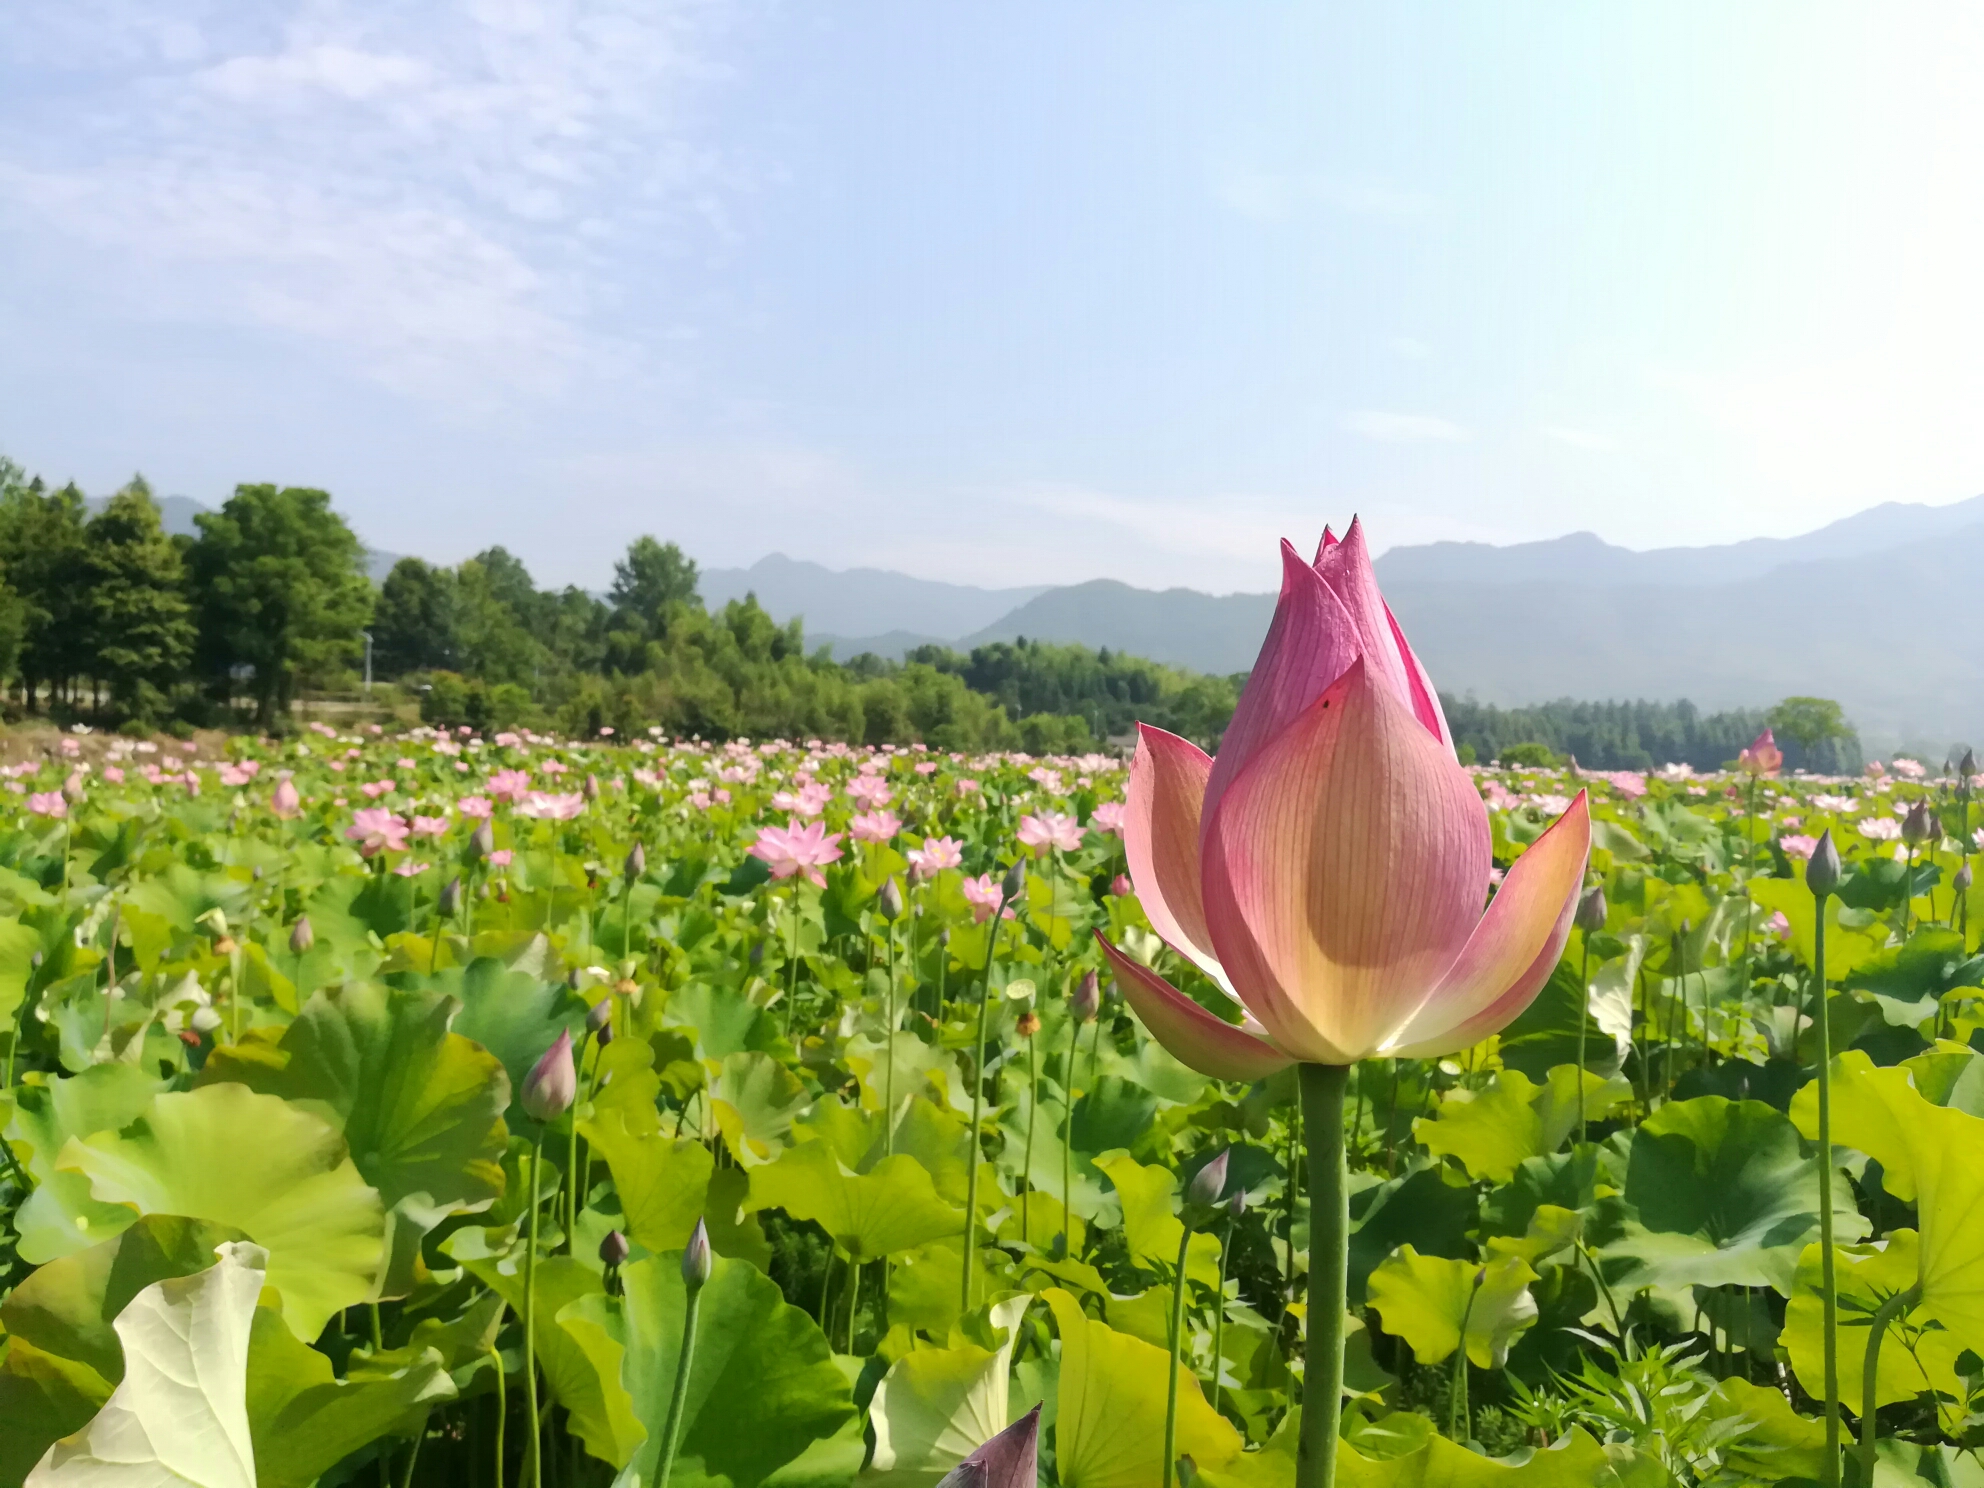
x=1188 y=1032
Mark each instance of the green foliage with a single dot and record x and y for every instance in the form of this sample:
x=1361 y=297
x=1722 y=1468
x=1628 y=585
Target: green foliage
x=1640 y=735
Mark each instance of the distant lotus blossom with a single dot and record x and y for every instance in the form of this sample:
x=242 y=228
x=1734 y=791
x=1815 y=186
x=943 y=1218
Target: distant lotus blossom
x=501 y=857
x=1762 y=758
x=926 y=767
x=699 y=800
x=1875 y=769
x=936 y=854
x=1629 y=783
x=114 y=774
x=1778 y=925
x=71 y=747
x=871 y=791
x=809 y=800
x=1495 y=877
x=1549 y=805
x=377 y=830
x=1790 y=821
x=1048 y=780
x=476 y=808
x=1836 y=803
x=48 y=803
x=509 y=785
x=1499 y=796
x=554 y=767
x=875 y=826
x=430 y=826
x=373 y=789
x=411 y=869
x=1048 y=830
x=1108 y=817
x=1796 y=845
x=1881 y=829
x=507 y=740
x=1677 y=771
x=406 y=764
x=967 y=786
x=797 y=850
x=1908 y=768
x=543 y=806
x=982 y=894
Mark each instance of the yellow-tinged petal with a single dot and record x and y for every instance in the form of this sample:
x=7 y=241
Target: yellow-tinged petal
x=1161 y=840
x=1193 y=1035
x=1344 y=871
x=1512 y=951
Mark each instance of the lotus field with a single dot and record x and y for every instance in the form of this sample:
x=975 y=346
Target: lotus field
x=418 y=1107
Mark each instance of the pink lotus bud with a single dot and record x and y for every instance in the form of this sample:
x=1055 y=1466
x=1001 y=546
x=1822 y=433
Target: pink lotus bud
x=1209 y=1182
x=1591 y=910
x=696 y=1261
x=552 y=1083
x=1121 y=887
x=1087 y=999
x=285 y=802
x=301 y=936
x=1008 y=1460
x=613 y=1249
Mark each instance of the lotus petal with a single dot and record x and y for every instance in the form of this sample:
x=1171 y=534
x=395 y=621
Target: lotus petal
x=1346 y=567
x=1194 y=1036
x=1161 y=839
x=1344 y=870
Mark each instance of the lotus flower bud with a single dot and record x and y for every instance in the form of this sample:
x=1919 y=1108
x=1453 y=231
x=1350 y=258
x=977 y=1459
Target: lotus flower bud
x=1121 y=886
x=592 y=788
x=889 y=901
x=601 y=1015
x=1087 y=999
x=613 y=1249
x=1822 y=873
x=1918 y=825
x=482 y=841
x=637 y=862
x=1591 y=909
x=1237 y=1205
x=1014 y=883
x=552 y=1082
x=301 y=936
x=696 y=1262
x=1966 y=767
x=1963 y=880
x=285 y=802
x=1008 y=1460
x=450 y=903
x=1209 y=1182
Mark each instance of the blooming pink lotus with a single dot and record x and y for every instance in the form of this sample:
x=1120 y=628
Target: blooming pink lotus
x=1329 y=868
x=48 y=803
x=546 y=807
x=377 y=830
x=1049 y=830
x=936 y=854
x=982 y=894
x=509 y=785
x=874 y=826
x=1798 y=845
x=871 y=791
x=478 y=808
x=1107 y=818
x=1763 y=757
x=797 y=850
x=430 y=826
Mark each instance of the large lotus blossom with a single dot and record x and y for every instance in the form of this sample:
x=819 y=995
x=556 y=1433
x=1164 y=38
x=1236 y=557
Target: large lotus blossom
x=545 y=807
x=803 y=850
x=874 y=826
x=509 y=785
x=936 y=854
x=1328 y=869
x=377 y=830
x=1763 y=757
x=983 y=894
x=48 y=803
x=871 y=791
x=1050 y=829
x=809 y=800
x=1107 y=818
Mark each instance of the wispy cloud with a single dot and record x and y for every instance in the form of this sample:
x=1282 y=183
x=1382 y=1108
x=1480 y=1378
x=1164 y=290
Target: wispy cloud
x=1403 y=428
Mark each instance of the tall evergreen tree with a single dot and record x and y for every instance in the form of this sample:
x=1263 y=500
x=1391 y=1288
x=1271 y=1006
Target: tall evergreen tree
x=41 y=550
x=413 y=625
x=653 y=580
x=138 y=620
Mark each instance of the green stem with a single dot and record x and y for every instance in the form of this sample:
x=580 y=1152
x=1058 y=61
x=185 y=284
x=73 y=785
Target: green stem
x=889 y=1055
x=1025 y=1184
x=533 y=1454
x=1870 y=1378
x=406 y=1480
x=1177 y=1344
x=853 y=1298
x=1068 y=1138
x=502 y=1412
x=1323 y=1088
x=974 y=1154
x=1828 y=1288
x=1584 y=1017
x=672 y=1432
x=1460 y=1425
x=1219 y=1314
x=572 y=1195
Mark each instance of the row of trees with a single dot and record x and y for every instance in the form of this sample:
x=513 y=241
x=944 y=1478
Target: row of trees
x=1812 y=732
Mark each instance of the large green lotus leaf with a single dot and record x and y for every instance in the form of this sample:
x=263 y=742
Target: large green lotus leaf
x=1928 y=1156
x=1495 y=1130
x=927 y=1283
x=421 y=1108
x=663 y=1184
x=1908 y=981
x=180 y=1414
x=936 y=1406
x=513 y=1014
x=725 y=1022
x=1430 y=1301
x=1913 y=1359
x=43 y=1397
x=1724 y=1196
x=756 y=1099
x=1951 y=1074
x=584 y=1365
x=1574 y=1462
x=273 y=1171
x=919 y=1069
x=1846 y=946
x=1545 y=1034
x=1780 y=1443
x=18 y=944
x=1421 y=1207
x=1150 y=1226
x=60 y=1217
x=1088 y=1189
x=1109 y=1417
x=304 y=1420
x=764 y=1385
x=894 y=1207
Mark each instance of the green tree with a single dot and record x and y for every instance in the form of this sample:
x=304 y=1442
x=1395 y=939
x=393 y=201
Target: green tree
x=1809 y=722
x=413 y=624
x=137 y=617
x=41 y=550
x=652 y=582
x=282 y=589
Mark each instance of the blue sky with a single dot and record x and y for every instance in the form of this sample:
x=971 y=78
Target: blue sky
x=1003 y=294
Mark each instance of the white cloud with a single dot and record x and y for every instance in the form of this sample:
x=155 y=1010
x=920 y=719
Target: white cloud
x=1403 y=428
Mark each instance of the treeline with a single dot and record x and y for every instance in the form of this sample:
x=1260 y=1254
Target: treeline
x=1812 y=732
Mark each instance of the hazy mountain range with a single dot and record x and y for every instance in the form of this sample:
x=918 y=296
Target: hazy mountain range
x=1877 y=610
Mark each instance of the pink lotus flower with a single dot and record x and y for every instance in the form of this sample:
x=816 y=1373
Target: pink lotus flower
x=874 y=826
x=544 y=807
x=501 y=858
x=411 y=869
x=1049 y=830
x=430 y=826
x=1628 y=783
x=1777 y=924
x=114 y=774
x=1763 y=757
x=1881 y=829
x=48 y=803
x=871 y=791
x=936 y=854
x=377 y=830
x=373 y=789
x=509 y=785
x=809 y=800
x=1121 y=886
x=982 y=894
x=235 y=775
x=1796 y=845
x=1107 y=818
x=797 y=850
x=967 y=786
x=1329 y=868
x=478 y=808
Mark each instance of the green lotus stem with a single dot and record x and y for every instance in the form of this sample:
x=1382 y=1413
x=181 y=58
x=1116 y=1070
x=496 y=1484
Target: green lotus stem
x=1460 y=1423
x=572 y=1160
x=853 y=1298
x=1068 y=1139
x=533 y=1455
x=973 y=1153
x=1219 y=1313
x=1828 y=1286
x=1584 y=1017
x=1899 y=1303
x=792 y=964
x=671 y=1433
x=889 y=1056
x=1323 y=1088
x=1026 y=1160
x=502 y=1412
x=1177 y=1345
